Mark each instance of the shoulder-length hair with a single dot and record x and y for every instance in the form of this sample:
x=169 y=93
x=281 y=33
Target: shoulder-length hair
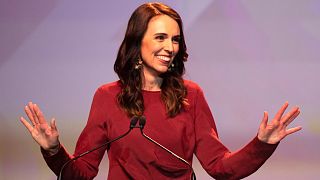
x=173 y=91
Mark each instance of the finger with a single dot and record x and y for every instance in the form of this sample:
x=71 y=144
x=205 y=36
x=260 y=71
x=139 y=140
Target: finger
x=289 y=114
x=281 y=111
x=291 y=118
x=31 y=107
x=264 y=121
x=29 y=114
x=39 y=114
x=293 y=130
x=53 y=124
x=26 y=124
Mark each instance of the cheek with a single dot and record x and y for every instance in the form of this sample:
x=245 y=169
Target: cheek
x=146 y=52
x=150 y=49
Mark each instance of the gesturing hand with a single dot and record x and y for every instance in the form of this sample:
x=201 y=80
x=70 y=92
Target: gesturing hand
x=45 y=135
x=276 y=130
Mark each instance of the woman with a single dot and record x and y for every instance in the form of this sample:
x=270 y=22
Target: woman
x=150 y=66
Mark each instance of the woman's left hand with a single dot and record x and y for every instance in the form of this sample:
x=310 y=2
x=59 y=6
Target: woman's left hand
x=276 y=130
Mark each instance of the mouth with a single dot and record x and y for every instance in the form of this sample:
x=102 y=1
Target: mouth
x=164 y=59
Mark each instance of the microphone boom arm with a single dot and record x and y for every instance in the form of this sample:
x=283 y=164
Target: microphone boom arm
x=133 y=122
x=142 y=122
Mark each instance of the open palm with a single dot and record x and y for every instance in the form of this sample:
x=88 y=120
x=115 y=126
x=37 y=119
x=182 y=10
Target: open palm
x=276 y=130
x=45 y=135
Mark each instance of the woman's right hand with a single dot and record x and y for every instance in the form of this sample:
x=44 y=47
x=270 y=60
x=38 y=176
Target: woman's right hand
x=45 y=135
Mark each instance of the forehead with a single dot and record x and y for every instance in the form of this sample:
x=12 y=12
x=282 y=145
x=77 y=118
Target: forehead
x=163 y=24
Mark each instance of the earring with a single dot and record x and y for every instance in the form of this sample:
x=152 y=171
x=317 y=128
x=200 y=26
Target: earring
x=171 y=67
x=138 y=64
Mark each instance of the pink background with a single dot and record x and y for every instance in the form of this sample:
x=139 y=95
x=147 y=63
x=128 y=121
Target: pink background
x=248 y=56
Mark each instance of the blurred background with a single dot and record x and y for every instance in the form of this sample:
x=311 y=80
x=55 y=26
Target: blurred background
x=249 y=56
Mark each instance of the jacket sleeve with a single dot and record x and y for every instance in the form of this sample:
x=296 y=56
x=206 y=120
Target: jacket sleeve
x=215 y=158
x=94 y=134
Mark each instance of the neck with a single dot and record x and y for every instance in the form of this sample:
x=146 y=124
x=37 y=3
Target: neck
x=151 y=82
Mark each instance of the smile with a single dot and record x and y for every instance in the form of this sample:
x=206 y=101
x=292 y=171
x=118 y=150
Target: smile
x=165 y=58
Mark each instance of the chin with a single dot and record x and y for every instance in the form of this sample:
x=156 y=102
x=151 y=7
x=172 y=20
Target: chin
x=161 y=71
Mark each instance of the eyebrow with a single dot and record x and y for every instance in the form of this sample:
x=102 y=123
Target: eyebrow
x=165 y=34
x=160 y=34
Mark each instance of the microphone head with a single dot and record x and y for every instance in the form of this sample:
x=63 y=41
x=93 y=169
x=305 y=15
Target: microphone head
x=133 y=122
x=142 y=122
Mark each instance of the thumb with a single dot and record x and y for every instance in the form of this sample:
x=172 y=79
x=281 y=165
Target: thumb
x=53 y=124
x=264 y=121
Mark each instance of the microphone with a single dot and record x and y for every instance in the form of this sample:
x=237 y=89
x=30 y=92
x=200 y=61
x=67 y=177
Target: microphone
x=142 y=123
x=133 y=122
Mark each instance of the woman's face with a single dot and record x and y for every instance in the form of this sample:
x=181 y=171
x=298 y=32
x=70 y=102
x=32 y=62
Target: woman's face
x=159 y=45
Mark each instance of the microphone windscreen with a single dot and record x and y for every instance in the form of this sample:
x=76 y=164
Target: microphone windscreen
x=133 y=122
x=142 y=122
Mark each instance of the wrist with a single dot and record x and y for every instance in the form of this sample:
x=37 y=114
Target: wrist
x=261 y=138
x=54 y=150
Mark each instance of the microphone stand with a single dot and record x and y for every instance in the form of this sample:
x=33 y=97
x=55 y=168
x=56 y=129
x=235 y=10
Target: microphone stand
x=142 y=122
x=133 y=123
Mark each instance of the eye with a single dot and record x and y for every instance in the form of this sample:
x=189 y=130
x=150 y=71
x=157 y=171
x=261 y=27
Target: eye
x=176 y=39
x=160 y=37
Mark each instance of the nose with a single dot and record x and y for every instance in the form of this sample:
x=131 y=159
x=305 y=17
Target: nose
x=169 y=47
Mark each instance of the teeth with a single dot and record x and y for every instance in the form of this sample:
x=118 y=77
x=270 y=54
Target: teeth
x=165 y=58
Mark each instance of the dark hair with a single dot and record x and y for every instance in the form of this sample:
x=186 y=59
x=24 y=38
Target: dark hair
x=173 y=91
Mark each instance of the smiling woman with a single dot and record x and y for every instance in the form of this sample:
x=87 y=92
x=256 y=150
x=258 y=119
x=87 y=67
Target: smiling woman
x=150 y=66
x=159 y=46
x=151 y=57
